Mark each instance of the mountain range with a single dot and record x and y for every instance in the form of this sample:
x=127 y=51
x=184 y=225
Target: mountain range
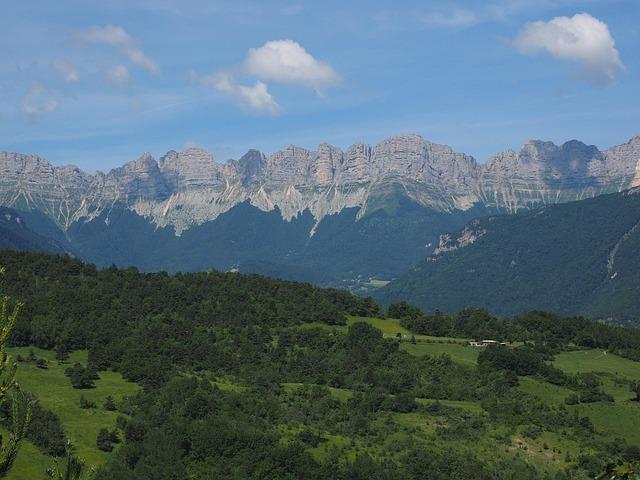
x=329 y=216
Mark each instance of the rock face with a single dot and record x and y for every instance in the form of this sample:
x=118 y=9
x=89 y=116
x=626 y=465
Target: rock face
x=183 y=189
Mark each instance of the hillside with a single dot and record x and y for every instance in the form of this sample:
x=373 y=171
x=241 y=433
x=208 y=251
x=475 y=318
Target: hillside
x=254 y=378
x=576 y=258
x=16 y=234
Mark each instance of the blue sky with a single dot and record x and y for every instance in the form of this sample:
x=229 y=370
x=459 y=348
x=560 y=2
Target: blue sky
x=98 y=83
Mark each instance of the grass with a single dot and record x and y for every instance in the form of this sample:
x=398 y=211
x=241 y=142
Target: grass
x=31 y=463
x=388 y=326
x=621 y=417
x=55 y=393
x=546 y=391
x=458 y=353
x=597 y=361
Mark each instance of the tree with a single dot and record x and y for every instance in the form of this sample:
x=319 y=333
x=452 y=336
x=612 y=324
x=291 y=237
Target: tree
x=634 y=387
x=80 y=377
x=109 y=404
x=62 y=353
x=103 y=441
x=9 y=388
x=70 y=468
x=86 y=404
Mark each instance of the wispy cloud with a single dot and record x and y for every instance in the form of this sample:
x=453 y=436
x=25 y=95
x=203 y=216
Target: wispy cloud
x=38 y=101
x=67 y=70
x=119 y=39
x=452 y=15
x=257 y=98
x=118 y=76
x=581 y=39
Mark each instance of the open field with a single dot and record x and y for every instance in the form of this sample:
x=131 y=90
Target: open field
x=622 y=416
x=388 y=326
x=55 y=393
x=598 y=361
x=458 y=353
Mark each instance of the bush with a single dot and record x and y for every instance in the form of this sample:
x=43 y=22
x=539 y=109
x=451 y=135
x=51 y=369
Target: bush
x=572 y=399
x=80 y=376
x=86 y=404
x=104 y=441
x=109 y=404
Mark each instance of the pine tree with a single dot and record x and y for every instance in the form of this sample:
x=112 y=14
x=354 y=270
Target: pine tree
x=9 y=388
x=70 y=467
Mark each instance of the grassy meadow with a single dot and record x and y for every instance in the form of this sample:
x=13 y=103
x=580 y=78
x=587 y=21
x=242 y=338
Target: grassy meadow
x=55 y=393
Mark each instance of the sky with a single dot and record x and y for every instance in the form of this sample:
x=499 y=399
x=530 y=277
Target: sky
x=96 y=84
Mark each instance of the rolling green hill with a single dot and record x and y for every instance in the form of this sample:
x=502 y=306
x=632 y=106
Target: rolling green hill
x=245 y=377
x=55 y=393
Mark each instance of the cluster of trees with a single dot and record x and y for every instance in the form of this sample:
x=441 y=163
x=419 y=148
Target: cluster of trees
x=553 y=331
x=80 y=376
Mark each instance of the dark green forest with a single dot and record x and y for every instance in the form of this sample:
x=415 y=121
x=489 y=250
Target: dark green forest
x=246 y=377
x=578 y=258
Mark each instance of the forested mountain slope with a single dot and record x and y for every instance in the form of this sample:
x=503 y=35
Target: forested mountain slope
x=16 y=234
x=575 y=258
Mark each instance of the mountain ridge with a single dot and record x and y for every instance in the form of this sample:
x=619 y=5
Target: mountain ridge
x=183 y=189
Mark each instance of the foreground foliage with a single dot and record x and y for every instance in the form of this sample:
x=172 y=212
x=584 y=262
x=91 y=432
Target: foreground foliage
x=19 y=409
x=250 y=378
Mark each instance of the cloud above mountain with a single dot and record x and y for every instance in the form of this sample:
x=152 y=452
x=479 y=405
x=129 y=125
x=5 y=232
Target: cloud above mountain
x=118 y=38
x=38 y=101
x=257 y=98
x=582 y=39
x=278 y=61
x=286 y=61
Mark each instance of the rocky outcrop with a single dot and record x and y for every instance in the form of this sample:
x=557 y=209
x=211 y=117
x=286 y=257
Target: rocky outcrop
x=188 y=188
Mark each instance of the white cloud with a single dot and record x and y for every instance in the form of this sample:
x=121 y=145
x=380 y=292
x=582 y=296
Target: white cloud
x=257 y=98
x=118 y=76
x=67 y=70
x=118 y=38
x=582 y=39
x=285 y=61
x=38 y=101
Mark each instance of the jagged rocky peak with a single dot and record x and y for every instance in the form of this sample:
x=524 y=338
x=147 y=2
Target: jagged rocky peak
x=289 y=167
x=355 y=164
x=144 y=165
x=138 y=179
x=19 y=164
x=412 y=157
x=538 y=157
x=251 y=167
x=624 y=160
x=194 y=168
x=328 y=160
x=188 y=188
